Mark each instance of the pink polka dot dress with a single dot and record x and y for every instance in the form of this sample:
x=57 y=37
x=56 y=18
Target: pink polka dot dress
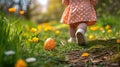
x=79 y=11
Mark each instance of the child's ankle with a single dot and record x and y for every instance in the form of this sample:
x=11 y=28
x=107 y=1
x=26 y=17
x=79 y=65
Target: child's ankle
x=81 y=30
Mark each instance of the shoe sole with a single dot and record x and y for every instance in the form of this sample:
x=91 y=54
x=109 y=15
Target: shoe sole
x=80 y=38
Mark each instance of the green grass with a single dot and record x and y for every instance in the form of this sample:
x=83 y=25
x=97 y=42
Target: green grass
x=14 y=36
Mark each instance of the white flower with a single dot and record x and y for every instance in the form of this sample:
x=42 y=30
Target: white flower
x=9 y=52
x=31 y=59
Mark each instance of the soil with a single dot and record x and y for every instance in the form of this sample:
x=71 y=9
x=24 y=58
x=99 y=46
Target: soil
x=97 y=58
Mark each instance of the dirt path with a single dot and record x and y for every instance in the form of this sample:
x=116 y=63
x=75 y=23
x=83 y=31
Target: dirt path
x=98 y=57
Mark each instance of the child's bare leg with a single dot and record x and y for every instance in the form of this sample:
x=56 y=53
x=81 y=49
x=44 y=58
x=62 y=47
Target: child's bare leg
x=72 y=31
x=81 y=29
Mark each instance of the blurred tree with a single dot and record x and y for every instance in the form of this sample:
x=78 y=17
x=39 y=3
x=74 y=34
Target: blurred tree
x=5 y=4
x=33 y=10
x=17 y=4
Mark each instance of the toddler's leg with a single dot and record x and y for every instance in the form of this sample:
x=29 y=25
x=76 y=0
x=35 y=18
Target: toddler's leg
x=72 y=31
x=81 y=29
x=82 y=26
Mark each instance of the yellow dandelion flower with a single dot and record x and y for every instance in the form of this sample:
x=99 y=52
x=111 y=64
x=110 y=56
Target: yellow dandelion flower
x=107 y=27
x=118 y=41
x=21 y=12
x=12 y=10
x=91 y=37
x=101 y=29
x=46 y=29
x=50 y=28
x=85 y=54
x=35 y=39
x=34 y=30
x=21 y=63
x=109 y=31
x=57 y=32
x=94 y=28
x=39 y=27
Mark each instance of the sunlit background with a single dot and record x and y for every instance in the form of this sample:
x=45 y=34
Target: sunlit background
x=35 y=10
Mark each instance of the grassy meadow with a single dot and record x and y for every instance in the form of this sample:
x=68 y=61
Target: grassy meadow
x=22 y=42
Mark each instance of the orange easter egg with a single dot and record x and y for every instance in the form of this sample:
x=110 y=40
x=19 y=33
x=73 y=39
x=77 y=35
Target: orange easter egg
x=49 y=44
